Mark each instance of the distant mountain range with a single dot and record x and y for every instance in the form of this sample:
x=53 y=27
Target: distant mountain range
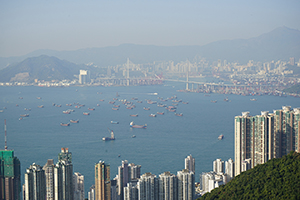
x=280 y=43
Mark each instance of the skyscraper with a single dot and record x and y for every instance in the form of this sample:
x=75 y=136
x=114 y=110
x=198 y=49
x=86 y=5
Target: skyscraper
x=135 y=171
x=186 y=185
x=148 y=187
x=266 y=136
x=49 y=179
x=10 y=176
x=63 y=176
x=35 y=185
x=123 y=178
x=189 y=163
x=78 y=182
x=102 y=181
x=218 y=166
x=168 y=186
x=229 y=169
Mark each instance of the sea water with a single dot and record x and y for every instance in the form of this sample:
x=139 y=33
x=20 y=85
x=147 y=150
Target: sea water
x=162 y=146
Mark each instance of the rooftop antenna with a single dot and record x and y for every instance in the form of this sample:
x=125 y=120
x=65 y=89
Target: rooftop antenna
x=5 y=147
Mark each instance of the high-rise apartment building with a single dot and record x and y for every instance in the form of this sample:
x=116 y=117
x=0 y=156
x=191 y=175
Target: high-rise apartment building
x=35 y=184
x=78 y=183
x=135 y=171
x=10 y=175
x=123 y=178
x=63 y=176
x=168 y=186
x=266 y=136
x=102 y=181
x=148 y=187
x=186 y=185
x=218 y=166
x=131 y=191
x=49 y=179
x=189 y=163
x=84 y=76
x=229 y=170
x=91 y=193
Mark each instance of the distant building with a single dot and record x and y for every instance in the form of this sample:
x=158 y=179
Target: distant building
x=84 y=77
x=229 y=170
x=102 y=181
x=189 y=163
x=78 y=180
x=10 y=175
x=35 y=184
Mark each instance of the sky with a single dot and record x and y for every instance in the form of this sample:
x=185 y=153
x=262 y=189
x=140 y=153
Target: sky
x=26 y=26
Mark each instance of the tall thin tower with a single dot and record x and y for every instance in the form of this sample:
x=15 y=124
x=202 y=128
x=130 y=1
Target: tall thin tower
x=102 y=181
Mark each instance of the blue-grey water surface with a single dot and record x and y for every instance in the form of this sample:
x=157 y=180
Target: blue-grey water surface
x=161 y=147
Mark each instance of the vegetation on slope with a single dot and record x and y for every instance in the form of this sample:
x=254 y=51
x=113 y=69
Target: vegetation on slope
x=276 y=179
x=293 y=89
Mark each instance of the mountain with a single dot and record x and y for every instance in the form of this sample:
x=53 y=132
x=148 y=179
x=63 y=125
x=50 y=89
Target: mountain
x=281 y=43
x=42 y=67
x=276 y=179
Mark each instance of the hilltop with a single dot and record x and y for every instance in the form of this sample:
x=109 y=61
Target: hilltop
x=42 y=67
x=276 y=179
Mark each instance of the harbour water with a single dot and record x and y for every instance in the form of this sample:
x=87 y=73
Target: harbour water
x=161 y=147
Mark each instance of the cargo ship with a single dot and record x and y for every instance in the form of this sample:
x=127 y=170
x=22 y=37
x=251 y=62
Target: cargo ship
x=152 y=115
x=25 y=115
x=146 y=108
x=114 y=122
x=134 y=115
x=74 y=121
x=137 y=126
x=63 y=124
x=91 y=108
x=160 y=113
x=41 y=106
x=86 y=113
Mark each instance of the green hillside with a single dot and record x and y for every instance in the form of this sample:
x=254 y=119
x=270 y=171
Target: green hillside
x=276 y=179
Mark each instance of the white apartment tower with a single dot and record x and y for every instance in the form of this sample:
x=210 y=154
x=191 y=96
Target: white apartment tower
x=189 y=163
x=35 y=183
x=78 y=180
x=49 y=176
x=186 y=185
x=168 y=186
x=148 y=187
x=218 y=166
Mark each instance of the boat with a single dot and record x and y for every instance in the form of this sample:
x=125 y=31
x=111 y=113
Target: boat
x=215 y=101
x=63 y=124
x=86 y=113
x=74 y=121
x=221 y=137
x=91 y=108
x=58 y=105
x=25 y=115
x=152 y=115
x=114 y=122
x=129 y=107
x=28 y=109
x=66 y=112
x=41 y=106
x=20 y=118
x=146 y=108
x=132 y=125
x=98 y=104
x=139 y=101
x=133 y=136
x=134 y=115
x=185 y=102
x=111 y=102
x=179 y=114
x=112 y=136
x=253 y=99
x=39 y=97
x=101 y=99
x=160 y=113
x=115 y=108
x=68 y=104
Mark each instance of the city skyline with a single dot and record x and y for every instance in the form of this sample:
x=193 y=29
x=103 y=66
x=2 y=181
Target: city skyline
x=29 y=26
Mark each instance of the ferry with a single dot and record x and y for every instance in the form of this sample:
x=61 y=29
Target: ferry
x=86 y=113
x=220 y=137
x=74 y=121
x=137 y=126
x=63 y=124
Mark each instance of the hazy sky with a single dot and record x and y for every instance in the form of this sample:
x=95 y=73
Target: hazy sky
x=29 y=25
